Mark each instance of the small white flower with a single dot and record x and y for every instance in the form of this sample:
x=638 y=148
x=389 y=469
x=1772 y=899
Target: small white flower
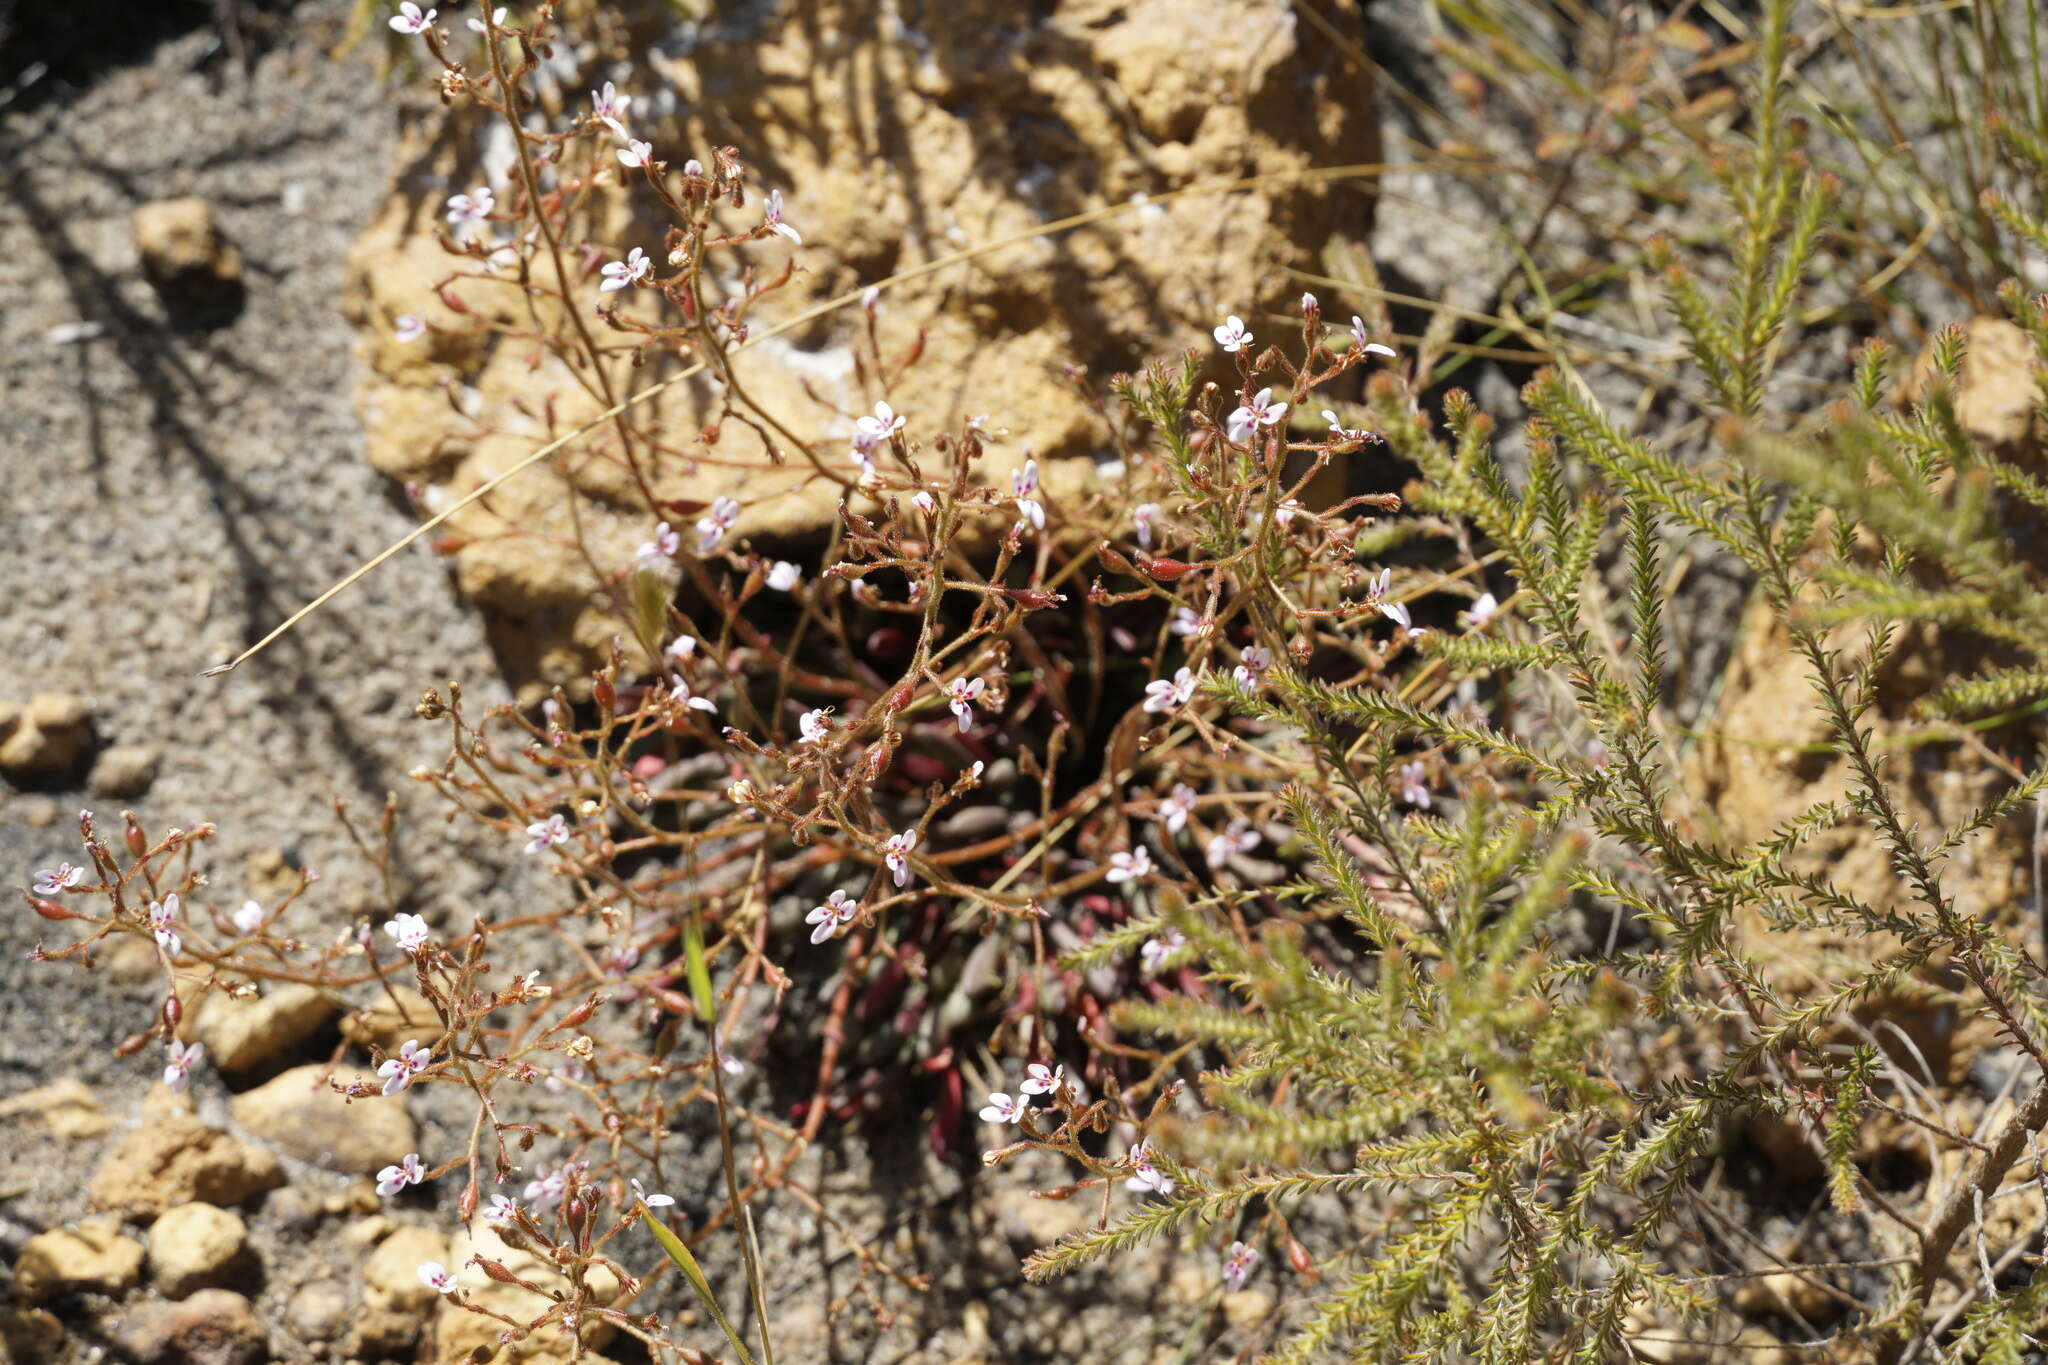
x=1040 y=1079
x=608 y=107
x=680 y=693
x=1263 y=411
x=785 y=576
x=1238 y=838
x=433 y=1274
x=504 y=258
x=411 y=1060
x=667 y=543
x=472 y=208
x=961 y=694
x=682 y=647
x=1141 y=518
x=1483 y=611
x=636 y=154
x=1186 y=621
x=162 y=915
x=711 y=528
x=503 y=1209
x=1231 y=335
x=392 y=1179
x=1340 y=432
x=178 y=1071
x=1308 y=302
x=1158 y=953
x=896 y=855
x=410 y=20
x=1414 y=789
x=62 y=877
x=409 y=932
x=249 y=918
x=1146 y=1178
x=1002 y=1109
x=1126 y=867
x=547 y=1187
x=1358 y=335
x=619 y=274
x=408 y=327
x=1177 y=807
x=925 y=502
x=869 y=432
x=812 y=725
x=1161 y=695
x=693 y=167
x=837 y=911
x=1030 y=512
x=476 y=25
x=652 y=1201
x=773 y=218
x=543 y=835
x=1237 y=1266
x=1252 y=666
x=1397 y=612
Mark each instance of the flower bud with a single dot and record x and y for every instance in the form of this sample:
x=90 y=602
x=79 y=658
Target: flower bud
x=49 y=910
x=174 y=1011
x=137 y=841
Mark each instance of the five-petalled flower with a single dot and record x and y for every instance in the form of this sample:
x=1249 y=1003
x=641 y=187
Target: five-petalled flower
x=1125 y=867
x=896 y=855
x=1226 y=844
x=409 y=19
x=408 y=931
x=869 y=432
x=1159 y=952
x=636 y=154
x=408 y=327
x=784 y=576
x=961 y=694
x=1141 y=518
x=619 y=274
x=1231 y=335
x=712 y=526
x=503 y=1209
x=1162 y=695
x=472 y=208
x=1482 y=611
x=1237 y=1266
x=1040 y=1079
x=1177 y=807
x=666 y=544
x=392 y=1179
x=62 y=877
x=680 y=693
x=1358 y=335
x=837 y=911
x=178 y=1070
x=1263 y=411
x=1145 y=1176
x=1002 y=1109
x=436 y=1277
x=608 y=107
x=411 y=1060
x=543 y=835
x=1023 y=485
x=477 y=25
x=1414 y=786
x=772 y=220
x=812 y=725
x=1252 y=666
x=163 y=915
